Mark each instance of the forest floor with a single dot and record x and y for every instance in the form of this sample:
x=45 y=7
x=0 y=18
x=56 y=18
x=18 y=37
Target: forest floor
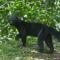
x=10 y=51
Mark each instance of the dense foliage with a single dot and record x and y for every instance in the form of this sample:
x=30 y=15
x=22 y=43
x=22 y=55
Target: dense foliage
x=44 y=11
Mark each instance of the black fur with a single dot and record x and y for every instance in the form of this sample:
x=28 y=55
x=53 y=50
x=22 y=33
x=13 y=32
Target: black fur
x=43 y=32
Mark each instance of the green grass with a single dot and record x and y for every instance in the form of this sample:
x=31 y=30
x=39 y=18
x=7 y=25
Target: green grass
x=10 y=51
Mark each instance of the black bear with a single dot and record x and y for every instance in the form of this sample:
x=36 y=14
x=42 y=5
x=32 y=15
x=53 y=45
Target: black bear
x=42 y=31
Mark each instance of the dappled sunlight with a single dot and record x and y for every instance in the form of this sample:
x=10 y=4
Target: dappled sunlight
x=40 y=56
x=27 y=58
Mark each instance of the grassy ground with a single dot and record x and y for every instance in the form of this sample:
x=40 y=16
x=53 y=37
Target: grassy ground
x=10 y=51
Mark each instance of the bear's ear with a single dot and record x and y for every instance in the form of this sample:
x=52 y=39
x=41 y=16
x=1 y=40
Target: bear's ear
x=12 y=18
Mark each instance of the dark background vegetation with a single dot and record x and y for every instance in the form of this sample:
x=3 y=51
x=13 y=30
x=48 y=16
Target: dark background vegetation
x=40 y=11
